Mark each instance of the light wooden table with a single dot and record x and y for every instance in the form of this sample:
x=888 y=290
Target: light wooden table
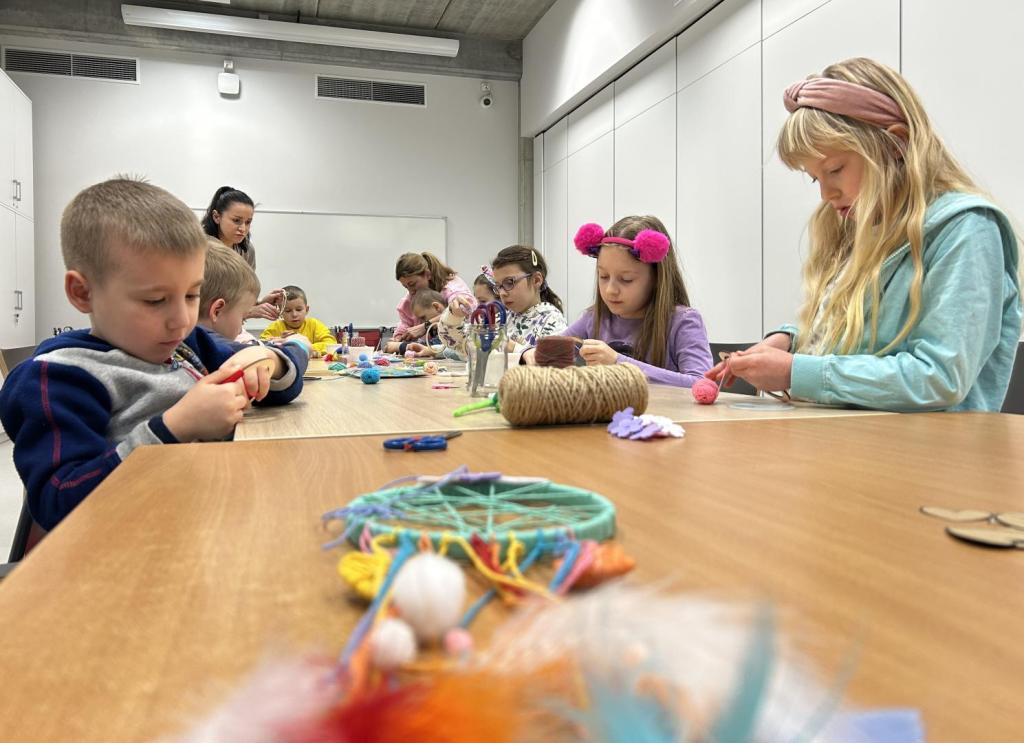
x=192 y=564
x=344 y=406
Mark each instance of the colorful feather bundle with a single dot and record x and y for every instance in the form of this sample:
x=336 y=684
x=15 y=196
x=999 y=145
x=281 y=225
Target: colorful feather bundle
x=617 y=664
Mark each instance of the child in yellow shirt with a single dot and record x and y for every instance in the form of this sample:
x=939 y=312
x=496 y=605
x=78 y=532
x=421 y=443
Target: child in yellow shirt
x=295 y=320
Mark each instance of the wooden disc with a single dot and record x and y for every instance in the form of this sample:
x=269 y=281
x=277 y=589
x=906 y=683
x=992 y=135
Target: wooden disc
x=1013 y=519
x=948 y=514
x=990 y=537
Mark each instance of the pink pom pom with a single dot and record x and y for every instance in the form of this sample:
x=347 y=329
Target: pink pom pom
x=588 y=238
x=704 y=391
x=650 y=246
x=458 y=642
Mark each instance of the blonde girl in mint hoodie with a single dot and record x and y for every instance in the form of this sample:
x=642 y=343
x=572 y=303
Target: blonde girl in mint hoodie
x=912 y=291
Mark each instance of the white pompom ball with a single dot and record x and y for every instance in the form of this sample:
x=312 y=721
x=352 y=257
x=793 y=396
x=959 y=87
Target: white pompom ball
x=392 y=644
x=429 y=593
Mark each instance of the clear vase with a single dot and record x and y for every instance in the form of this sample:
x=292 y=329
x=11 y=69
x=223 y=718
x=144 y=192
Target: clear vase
x=488 y=358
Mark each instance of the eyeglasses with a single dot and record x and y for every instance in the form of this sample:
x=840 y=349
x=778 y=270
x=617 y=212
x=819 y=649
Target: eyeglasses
x=508 y=284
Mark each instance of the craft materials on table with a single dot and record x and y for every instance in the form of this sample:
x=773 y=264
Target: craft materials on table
x=486 y=348
x=625 y=425
x=704 y=391
x=421 y=443
x=535 y=395
x=983 y=527
x=559 y=351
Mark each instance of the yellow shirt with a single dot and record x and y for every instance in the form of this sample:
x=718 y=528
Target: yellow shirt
x=313 y=329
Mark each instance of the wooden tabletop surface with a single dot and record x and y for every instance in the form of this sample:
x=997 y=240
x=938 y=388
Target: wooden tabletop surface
x=192 y=564
x=344 y=406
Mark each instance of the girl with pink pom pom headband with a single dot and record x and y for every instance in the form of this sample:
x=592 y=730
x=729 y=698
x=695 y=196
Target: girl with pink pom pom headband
x=649 y=246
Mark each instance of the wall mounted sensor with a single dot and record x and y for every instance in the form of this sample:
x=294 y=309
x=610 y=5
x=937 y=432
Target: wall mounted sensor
x=228 y=83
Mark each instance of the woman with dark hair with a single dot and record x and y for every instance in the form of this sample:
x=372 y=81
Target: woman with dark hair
x=229 y=218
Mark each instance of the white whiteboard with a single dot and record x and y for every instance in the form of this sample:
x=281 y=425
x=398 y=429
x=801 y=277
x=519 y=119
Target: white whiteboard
x=344 y=262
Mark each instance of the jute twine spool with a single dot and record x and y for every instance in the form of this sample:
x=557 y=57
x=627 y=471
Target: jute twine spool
x=535 y=395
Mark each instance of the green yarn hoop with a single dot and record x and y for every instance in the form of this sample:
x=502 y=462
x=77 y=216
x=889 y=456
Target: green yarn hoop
x=493 y=509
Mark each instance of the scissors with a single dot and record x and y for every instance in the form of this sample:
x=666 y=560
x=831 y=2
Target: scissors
x=421 y=443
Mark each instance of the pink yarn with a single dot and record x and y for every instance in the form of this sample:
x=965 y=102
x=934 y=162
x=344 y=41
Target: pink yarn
x=458 y=642
x=588 y=238
x=704 y=391
x=650 y=246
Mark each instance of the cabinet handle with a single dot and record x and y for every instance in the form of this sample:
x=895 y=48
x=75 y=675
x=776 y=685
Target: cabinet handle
x=19 y=190
x=14 y=192
x=18 y=299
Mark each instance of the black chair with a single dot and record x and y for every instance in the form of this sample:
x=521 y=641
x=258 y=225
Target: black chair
x=19 y=544
x=1014 y=402
x=738 y=387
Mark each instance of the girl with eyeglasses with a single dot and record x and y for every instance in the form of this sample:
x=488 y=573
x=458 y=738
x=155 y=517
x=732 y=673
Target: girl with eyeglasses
x=533 y=310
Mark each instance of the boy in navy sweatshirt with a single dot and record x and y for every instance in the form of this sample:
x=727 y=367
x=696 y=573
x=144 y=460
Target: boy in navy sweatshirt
x=143 y=373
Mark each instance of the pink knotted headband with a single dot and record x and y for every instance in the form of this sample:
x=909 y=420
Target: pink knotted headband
x=846 y=99
x=649 y=246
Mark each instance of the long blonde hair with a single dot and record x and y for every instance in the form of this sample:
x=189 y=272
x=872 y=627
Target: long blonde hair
x=901 y=177
x=651 y=341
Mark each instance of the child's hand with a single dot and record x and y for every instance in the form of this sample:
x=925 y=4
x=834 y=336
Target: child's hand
x=764 y=366
x=529 y=357
x=209 y=410
x=460 y=306
x=261 y=364
x=314 y=354
x=598 y=352
x=416 y=331
x=421 y=350
x=392 y=347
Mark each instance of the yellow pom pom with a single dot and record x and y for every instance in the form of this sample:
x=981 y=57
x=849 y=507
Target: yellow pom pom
x=364 y=572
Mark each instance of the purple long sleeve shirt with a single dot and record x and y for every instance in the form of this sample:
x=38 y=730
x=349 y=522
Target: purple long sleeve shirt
x=688 y=354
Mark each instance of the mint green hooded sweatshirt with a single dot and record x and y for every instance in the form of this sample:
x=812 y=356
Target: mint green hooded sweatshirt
x=959 y=354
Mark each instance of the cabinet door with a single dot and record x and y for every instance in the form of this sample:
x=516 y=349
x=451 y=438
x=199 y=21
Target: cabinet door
x=8 y=279
x=590 y=200
x=556 y=237
x=23 y=151
x=25 y=283
x=719 y=197
x=8 y=93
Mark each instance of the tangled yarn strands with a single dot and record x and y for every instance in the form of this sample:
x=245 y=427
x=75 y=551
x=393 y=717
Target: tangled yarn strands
x=534 y=395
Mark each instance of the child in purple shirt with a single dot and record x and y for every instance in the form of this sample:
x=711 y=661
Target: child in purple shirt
x=642 y=314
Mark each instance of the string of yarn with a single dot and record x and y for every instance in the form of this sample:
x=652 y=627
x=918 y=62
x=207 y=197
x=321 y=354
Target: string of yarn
x=558 y=351
x=535 y=395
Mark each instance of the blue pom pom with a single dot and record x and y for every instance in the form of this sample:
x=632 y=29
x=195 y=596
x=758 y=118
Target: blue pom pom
x=370 y=376
x=363 y=357
x=364 y=364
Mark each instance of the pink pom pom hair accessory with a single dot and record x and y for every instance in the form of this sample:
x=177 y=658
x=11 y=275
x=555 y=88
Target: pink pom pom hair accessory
x=649 y=246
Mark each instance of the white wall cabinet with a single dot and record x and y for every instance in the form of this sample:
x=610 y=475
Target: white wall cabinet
x=556 y=228
x=590 y=196
x=17 y=248
x=15 y=147
x=719 y=208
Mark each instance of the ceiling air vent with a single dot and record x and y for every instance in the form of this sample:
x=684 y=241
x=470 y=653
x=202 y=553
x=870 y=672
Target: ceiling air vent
x=71 y=65
x=377 y=91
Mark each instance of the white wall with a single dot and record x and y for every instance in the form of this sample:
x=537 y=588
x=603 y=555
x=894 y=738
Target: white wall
x=581 y=45
x=278 y=143
x=695 y=125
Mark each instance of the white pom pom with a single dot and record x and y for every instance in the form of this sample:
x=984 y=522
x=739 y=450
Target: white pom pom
x=392 y=644
x=429 y=593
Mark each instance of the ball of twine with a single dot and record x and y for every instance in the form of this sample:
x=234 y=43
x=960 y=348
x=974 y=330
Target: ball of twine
x=535 y=395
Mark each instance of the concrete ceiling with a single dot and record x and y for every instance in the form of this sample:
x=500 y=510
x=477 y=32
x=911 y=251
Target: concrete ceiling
x=490 y=31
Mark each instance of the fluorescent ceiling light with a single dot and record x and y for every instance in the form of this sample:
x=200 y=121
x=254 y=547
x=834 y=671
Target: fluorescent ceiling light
x=302 y=33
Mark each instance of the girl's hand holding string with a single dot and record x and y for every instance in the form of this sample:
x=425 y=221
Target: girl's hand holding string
x=724 y=374
x=596 y=352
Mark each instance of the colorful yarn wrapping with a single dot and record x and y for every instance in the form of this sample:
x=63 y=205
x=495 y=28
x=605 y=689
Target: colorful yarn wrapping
x=536 y=395
x=504 y=510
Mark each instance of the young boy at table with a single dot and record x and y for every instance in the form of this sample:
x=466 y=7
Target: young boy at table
x=295 y=320
x=143 y=373
x=229 y=291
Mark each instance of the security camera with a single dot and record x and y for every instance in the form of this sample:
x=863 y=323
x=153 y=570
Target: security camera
x=487 y=99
